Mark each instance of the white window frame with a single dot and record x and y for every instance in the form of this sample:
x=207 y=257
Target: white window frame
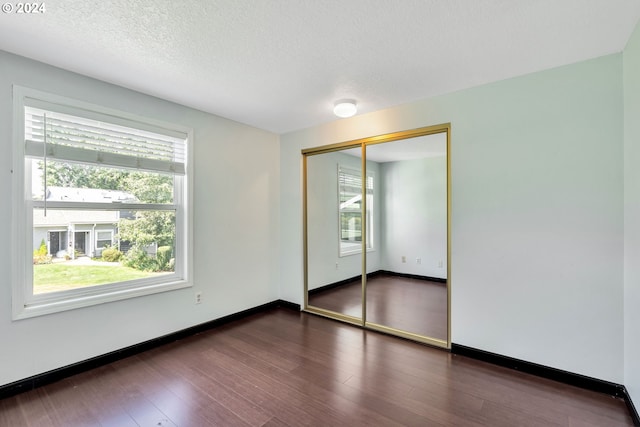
x=346 y=248
x=24 y=303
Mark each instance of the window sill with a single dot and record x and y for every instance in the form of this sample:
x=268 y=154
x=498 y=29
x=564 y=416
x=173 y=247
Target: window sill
x=350 y=252
x=73 y=302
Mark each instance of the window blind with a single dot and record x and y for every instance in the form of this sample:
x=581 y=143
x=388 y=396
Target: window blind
x=91 y=137
x=350 y=185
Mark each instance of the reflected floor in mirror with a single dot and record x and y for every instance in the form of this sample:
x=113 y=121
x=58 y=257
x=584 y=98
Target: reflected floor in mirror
x=345 y=298
x=286 y=368
x=412 y=305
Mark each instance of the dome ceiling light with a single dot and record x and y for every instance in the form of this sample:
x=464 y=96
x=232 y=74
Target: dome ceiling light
x=345 y=108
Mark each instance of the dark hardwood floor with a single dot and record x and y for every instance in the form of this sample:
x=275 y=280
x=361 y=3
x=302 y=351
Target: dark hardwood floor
x=408 y=304
x=285 y=368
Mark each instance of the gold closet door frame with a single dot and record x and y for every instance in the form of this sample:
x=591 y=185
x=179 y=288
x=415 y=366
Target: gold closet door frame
x=363 y=143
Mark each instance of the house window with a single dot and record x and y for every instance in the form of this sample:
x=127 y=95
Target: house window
x=104 y=239
x=350 y=210
x=92 y=179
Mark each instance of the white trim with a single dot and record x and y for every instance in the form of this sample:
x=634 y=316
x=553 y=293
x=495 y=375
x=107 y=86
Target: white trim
x=19 y=231
x=24 y=303
x=106 y=206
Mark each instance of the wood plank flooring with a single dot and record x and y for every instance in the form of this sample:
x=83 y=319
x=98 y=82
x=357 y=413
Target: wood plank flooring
x=284 y=368
x=412 y=305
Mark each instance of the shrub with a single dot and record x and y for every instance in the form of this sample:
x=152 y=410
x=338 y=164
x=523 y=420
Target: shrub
x=138 y=258
x=41 y=255
x=111 y=254
x=42 y=249
x=41 y=259
x=163 y=256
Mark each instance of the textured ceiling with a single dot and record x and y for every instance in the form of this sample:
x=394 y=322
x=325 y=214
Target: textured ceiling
x=280 y=64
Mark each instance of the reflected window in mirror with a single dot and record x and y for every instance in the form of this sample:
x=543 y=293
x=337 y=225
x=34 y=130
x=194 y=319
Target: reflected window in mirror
x=350 y=206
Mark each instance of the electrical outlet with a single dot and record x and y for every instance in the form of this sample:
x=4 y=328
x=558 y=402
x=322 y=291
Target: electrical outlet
x=198 y=297
x=440 y=264
x=337 y=265
x=404 y=258
x=418 y=260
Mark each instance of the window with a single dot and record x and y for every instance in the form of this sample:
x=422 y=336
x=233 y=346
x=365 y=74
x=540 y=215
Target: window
x=95 y=185
x=104 y=239
x=350 y=210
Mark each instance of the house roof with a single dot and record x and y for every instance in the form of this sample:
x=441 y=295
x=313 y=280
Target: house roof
x=61 y=218
x=90 y=195
x=57 y=218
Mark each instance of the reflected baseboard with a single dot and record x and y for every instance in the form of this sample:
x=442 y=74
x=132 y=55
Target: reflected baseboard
x=412 y=276
x=371 y=275
x=333 y=285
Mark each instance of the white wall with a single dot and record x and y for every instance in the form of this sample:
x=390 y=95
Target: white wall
x=236 y=214
x=537 y=212
x=632 y=216
x=414 y=216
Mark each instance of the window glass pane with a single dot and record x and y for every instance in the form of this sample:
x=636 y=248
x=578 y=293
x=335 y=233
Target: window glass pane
x=76 y=248
x=350 y=201
x=104 y=239
x=101 y=244
x=74 y=182
x=351 y=226
x=104 y=235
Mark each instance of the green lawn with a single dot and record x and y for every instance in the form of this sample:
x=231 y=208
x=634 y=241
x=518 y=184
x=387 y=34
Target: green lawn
x=61 y=276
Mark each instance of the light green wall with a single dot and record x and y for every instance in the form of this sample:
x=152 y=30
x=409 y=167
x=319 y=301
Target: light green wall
x=632 y=215
x=414 y=216
x=537 y=219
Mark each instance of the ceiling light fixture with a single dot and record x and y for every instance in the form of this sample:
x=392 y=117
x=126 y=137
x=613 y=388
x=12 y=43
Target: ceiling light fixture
x=345 y=108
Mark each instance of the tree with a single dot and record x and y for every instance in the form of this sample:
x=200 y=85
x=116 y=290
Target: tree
x=61 y=174
x=149 y=188
x=149 y=227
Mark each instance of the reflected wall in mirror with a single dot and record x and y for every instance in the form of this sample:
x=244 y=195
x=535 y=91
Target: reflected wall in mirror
x=408 y=288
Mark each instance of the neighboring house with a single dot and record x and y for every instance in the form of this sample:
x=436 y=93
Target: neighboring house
x=85 y=232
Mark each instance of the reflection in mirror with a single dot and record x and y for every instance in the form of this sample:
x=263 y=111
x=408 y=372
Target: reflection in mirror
x=387 y=219
x=334 y=231
x=406 y=288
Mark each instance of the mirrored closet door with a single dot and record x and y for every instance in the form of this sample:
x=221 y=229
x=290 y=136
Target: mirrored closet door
x=334 y=240
x=406 y=288
x=377 y=233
